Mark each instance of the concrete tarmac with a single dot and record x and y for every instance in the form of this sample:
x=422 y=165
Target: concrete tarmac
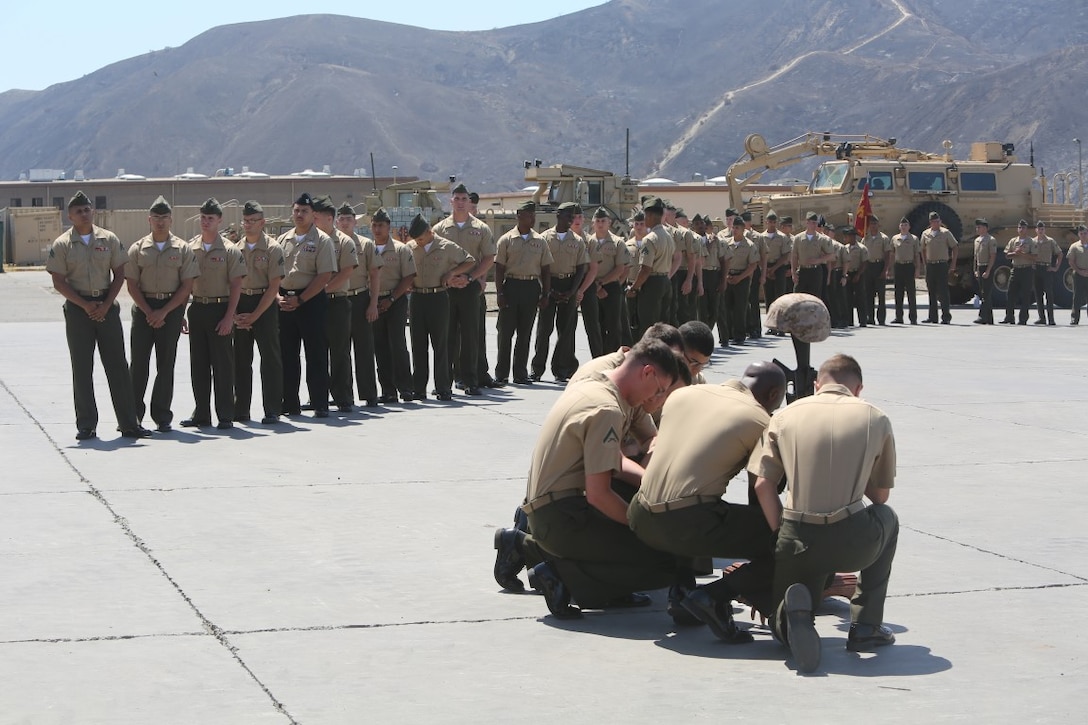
x=339 y=571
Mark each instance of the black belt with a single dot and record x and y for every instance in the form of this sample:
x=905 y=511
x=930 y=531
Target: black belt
x=210 y=300
x=294 y=292
x=428 y=290
x=92 y=293
x=659 y=274
x=158 y=295
x=523 y=277
x=904 y=264
x=350 y=292
x=562 y=276
x=937 y=261
x=811 y=266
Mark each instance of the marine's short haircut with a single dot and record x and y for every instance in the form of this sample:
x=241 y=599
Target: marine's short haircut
x=666 y=333
x=656 y=353
x=842 y=369
x=698 y=336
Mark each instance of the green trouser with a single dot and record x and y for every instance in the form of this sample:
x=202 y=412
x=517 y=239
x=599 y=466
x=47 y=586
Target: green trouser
x=562 y=317
x=143 y=339
x=362 y=343
x=686 y=304
x=391 y=350
x=610 y=312
x=1020 y=293
x=597 y=558
x=653 y=302
x=591 y=320
x=629 y=309
x=483 y=370
x=430 y=324
x=811 y=554
x=211 y=361
x=937 y=285
x=754 y=323
x=83 y=335
x=986 y=294
x=265 y=332
x=464 y=335
x=710 y=302
x=522 y=298
x=338 y=335
x=735 y=312
x=721 y=529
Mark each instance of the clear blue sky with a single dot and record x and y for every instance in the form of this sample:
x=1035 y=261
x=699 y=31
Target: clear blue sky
x=64 y=40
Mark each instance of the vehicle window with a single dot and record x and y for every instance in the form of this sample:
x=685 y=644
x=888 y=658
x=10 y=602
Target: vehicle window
x=926 y=181
x=553 y=192
x=593 y=196
x=878 y=181
x=829 y=176
x=978 y=182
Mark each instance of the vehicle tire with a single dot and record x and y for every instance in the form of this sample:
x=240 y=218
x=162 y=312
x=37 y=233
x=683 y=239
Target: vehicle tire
x=1063 y=286
x=961 y=286
x=1001 y=274
x=919 y=218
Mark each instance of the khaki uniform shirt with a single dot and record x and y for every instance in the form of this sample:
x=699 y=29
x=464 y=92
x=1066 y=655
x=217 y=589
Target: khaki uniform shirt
x=638 y=423
x=853 y=256
x=708 y=435
x=346 y=256
x=397 y=263
x=1046 y=249
x=611 y=253
x=218 y=266
x=809 y=250
x=657 y=250
x=523 y=256
x=367 y=256
x=830 y=446
x=938 y=245
x=906 y=248
x=777 y=246
x=434 y=263
x=985 y=251
x=878 y=244
x=567 y=253
x=156 y=272
x=263 y=263
x=685 y=242
x=87 y=267
x=581 y=435
x=473 y=236
x=744 y=253
x=634 y=252
x=1078 y=256
x=314 y=254
x=1027 y=244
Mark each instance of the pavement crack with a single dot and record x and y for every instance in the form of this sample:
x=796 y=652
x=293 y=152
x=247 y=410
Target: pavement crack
x=140 y=544
x=999 y=555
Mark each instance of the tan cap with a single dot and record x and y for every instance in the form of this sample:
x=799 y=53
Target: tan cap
x=803 y=316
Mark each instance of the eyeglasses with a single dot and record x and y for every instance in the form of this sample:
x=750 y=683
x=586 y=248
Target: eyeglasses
x=694 y=364
x=661 y=389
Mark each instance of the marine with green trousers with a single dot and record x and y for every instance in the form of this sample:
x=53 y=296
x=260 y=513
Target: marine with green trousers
x=87 y=264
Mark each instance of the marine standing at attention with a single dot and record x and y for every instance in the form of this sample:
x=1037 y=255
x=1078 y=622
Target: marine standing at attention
x=87 y=264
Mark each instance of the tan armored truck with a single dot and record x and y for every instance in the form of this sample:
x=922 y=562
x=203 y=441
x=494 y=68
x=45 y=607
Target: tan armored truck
x=559 y=183
x=989 y=183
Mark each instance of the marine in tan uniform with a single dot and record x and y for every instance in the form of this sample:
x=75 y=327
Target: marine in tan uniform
x=1020 y=251
x=939 y=250
x=716 y=255
x=211 y=320
x=87 y=265
x=878 y=269
x=1048 y=258
x=523 y=262
x=310 y=262
x=570 y=263
x=652 y=288
x=639 y=230
x=397 y=277
x=440 y=265
x=810 y=251
x=855 y=259
x=708 y=434
x=682 y=307
x=258 y=320
x=985 y=258
x=159 y=275
x=743 y=263
x=468 y=306
x=582 y=547
x=613 y=263
x=1078 y=262
x=776 y=262
x=833 y=449
x=586 y=294
x=907 y=256
x=362 y=291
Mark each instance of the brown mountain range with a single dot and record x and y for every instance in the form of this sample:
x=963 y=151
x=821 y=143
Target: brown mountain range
x=690 y=78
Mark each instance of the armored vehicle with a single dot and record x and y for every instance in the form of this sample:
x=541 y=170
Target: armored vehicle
x=990 y=183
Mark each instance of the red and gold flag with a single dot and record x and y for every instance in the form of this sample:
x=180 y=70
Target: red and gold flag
x=865 y=210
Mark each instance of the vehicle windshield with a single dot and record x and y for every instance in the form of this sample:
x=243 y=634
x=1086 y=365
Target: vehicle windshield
x=829 y=177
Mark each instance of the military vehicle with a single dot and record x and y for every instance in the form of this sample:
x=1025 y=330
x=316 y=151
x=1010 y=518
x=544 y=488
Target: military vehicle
x=559 y=183
x=990 y=183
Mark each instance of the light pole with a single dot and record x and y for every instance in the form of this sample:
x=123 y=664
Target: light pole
x=1080 y=175
x=394 y=174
